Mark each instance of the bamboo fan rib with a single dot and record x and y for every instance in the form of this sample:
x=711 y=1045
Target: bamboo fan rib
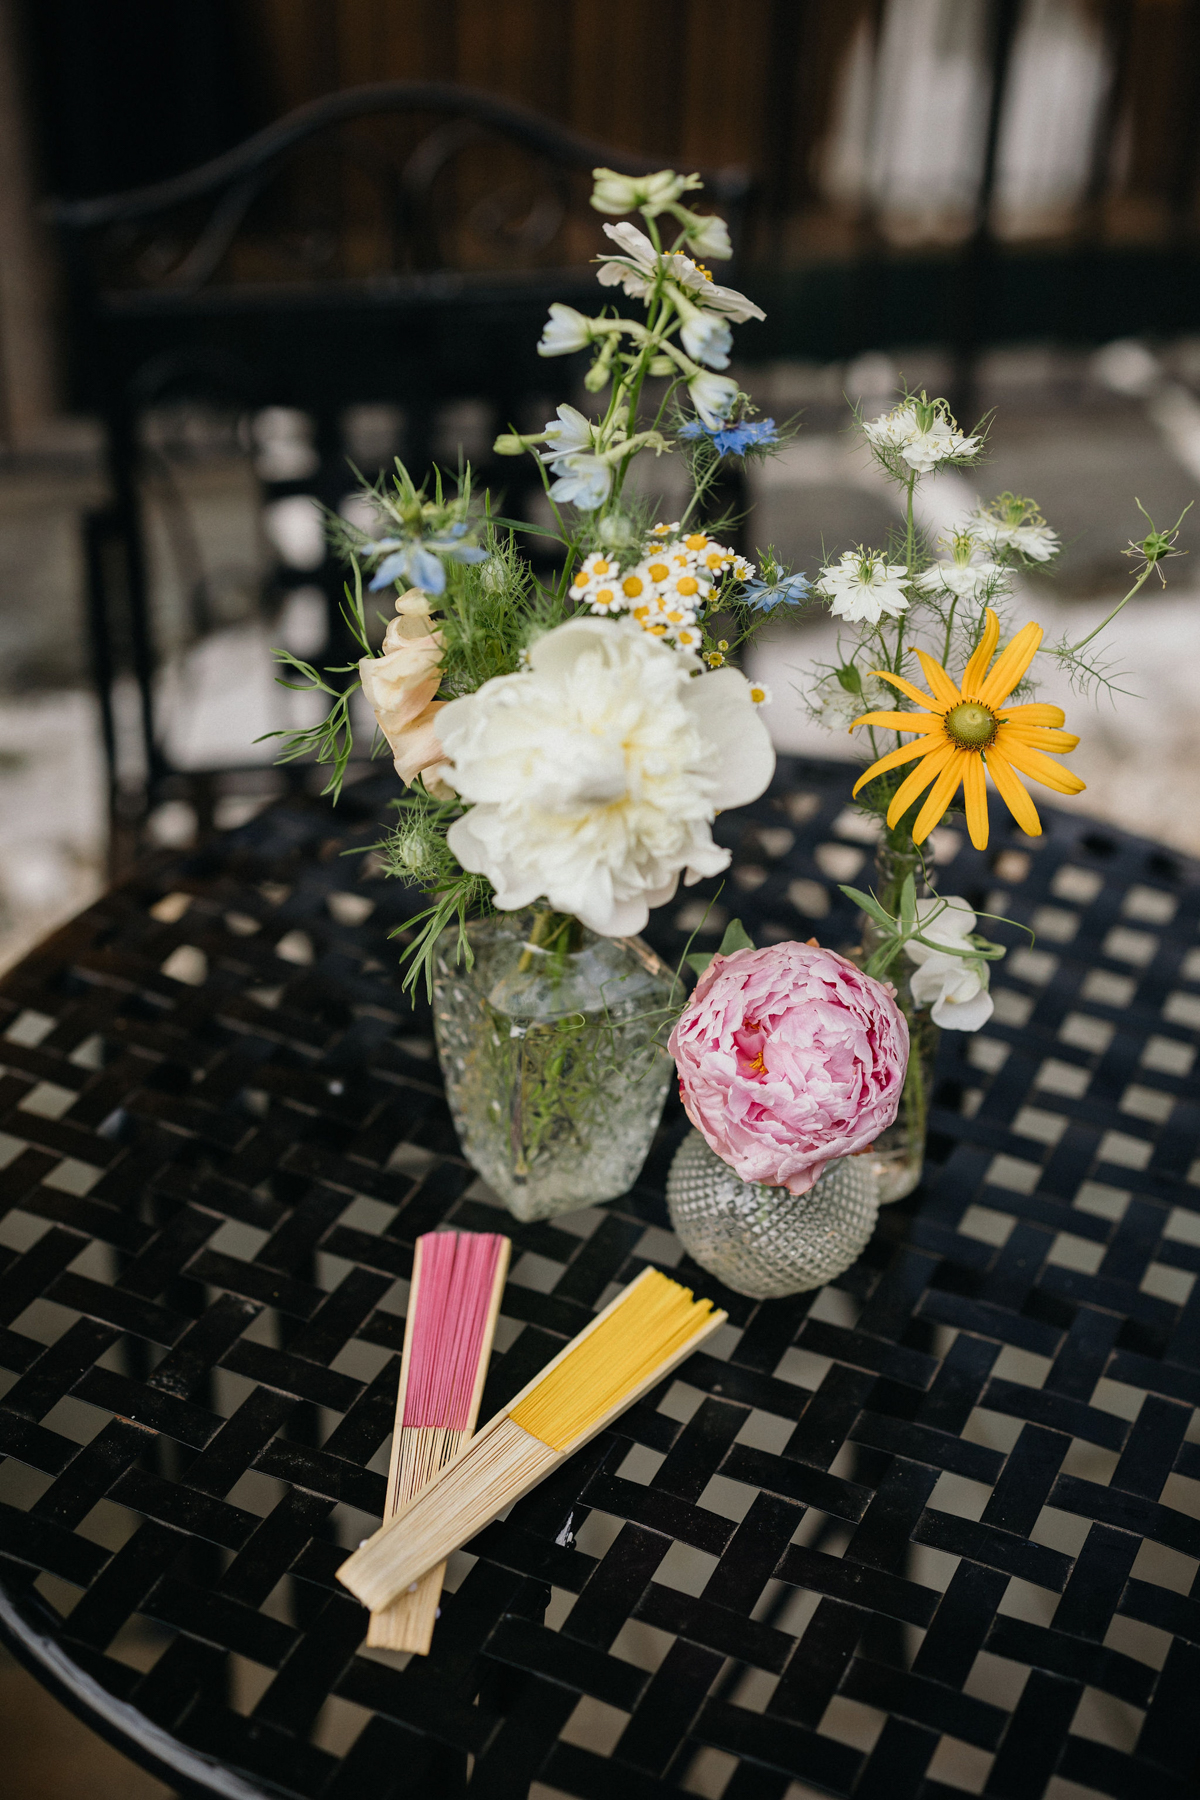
x=621 y=1355
x=457 y=1281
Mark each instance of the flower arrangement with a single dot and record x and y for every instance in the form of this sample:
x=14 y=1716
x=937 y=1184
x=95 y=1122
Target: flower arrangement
x=570 y=741
x=567 y=741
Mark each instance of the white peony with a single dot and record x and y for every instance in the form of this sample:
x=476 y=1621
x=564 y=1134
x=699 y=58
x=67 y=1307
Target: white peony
x=955 y=987
x=595 y=776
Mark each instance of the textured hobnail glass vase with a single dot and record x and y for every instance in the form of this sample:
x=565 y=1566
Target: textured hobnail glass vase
x=897 y=1156
x=764 y=1241
x=552 y=1046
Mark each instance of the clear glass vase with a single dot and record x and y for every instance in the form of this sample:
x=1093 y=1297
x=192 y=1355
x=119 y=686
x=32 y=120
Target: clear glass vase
x=897 y=1156
x=553 y=1049
x=764 y=1241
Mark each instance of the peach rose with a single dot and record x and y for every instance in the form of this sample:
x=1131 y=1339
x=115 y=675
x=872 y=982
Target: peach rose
x=400 y=684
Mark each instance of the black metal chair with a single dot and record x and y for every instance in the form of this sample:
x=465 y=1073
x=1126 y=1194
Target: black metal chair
x=358 y=266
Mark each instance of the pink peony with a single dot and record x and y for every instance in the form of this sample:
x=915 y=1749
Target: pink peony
x=789 y=1057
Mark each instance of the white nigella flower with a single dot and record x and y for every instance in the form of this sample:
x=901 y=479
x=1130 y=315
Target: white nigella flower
x=955 y=987
x=713 y=396
x=961 y=575
x=584 y=480
x=593 y=777
x=633 y=193
x=862 y=586
x=564 y=331
x=1012 y=523
x=923 y=434
x=837 y=707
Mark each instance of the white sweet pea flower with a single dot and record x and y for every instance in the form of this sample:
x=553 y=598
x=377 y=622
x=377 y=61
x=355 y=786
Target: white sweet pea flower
x=564 y=331
x=922 y=433
x=713 y=396
x=583 y=479
x=594 y=775
x=954 y=987
x=615 y=193
x=862 y=586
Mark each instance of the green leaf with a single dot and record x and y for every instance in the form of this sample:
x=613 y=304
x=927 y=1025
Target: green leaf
x=736 y=938
x=869 y=905
x=908 y=902
x=699 y=960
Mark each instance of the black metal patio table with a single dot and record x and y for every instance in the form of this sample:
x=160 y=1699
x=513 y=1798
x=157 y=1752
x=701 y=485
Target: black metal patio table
x=931 y=1531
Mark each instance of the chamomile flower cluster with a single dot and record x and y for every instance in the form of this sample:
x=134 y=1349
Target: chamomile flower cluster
x=667 y=589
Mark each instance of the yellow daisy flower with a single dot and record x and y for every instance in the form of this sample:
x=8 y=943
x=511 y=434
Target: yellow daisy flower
x=967 y=729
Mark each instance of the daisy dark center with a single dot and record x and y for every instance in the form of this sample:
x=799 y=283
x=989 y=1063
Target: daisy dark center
x=971 y=726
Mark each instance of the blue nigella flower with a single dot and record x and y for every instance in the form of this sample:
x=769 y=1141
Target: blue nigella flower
x=419 y=560
x=735 y=440
x=790 y=590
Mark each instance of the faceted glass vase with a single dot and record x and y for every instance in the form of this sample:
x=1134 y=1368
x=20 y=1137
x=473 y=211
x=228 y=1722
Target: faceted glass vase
x=764 y=1241
x=552 y=1047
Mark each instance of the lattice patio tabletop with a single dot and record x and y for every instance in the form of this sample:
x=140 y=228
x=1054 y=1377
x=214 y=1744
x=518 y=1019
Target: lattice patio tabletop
x=933 y=1530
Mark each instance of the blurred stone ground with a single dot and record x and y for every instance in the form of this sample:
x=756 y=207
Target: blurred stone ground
x=49 y=1754
x=1083 y=434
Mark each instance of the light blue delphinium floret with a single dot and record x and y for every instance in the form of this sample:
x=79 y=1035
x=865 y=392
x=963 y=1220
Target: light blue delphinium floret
x=788 y=590
x=583 y=479
x=734 y=440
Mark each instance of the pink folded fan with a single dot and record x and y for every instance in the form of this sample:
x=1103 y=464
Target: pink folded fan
x=457 y=1280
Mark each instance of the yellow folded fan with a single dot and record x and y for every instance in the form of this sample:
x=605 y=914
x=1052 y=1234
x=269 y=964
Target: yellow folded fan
x=621 y=1355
